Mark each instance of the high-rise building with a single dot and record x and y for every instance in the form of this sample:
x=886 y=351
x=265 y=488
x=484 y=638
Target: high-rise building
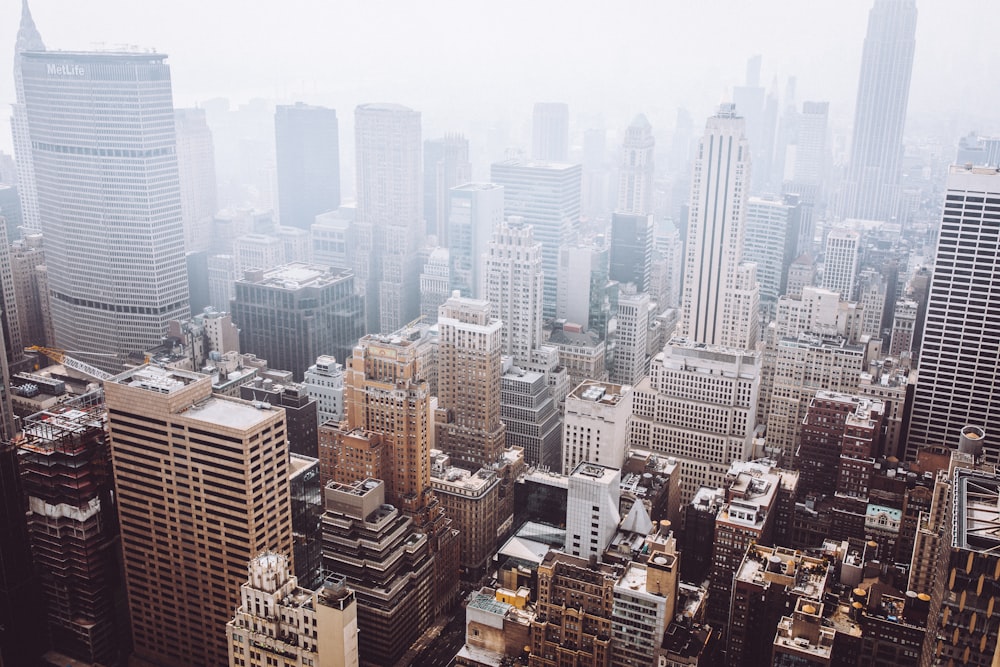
x=300 y=412
x=474 y=211
x=631 y=351
x=469 y=368
x=386 y=560
x=324 y=382
x=840 y=261
x=871 y=191
x=196 y=169
x=307 y=148
x=28 y=39
x=531 y=416
x=278 y=617
x=719 y=304
x=201 y=483
x=550 y=132
x=446 y=165
x=31 y=294
x=810 y=146
x=770 y=241
x=319 y=313
x=306 y=501
x=389 y=224
x=66 y=476
x=958 y=368
x=435 y=284
x=514 y=285
x=595 y=425
x=547 y=196
x=101 y=127
x=592 y=513
x=635 y=172
x=631 y=257
x=10 y=318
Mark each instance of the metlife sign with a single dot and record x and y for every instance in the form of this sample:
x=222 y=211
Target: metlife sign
x=65 y=70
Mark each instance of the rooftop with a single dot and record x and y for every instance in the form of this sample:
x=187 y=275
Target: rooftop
x=604 y=393
x=231 y=413
x=156 y=379
x=296 y=275
x=976 y=511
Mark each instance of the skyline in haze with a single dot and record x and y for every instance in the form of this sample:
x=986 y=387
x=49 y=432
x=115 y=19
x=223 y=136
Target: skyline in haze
x=467 y=65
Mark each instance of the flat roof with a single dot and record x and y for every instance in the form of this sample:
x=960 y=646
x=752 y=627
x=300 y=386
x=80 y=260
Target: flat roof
x=230 y=413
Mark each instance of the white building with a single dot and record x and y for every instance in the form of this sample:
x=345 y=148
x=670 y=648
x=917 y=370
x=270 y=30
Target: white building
x=514 y=287
x=631 y=358
x=592 y=515
x=324 y=382
x=435 y=284
x=196 y=167
x=719 y=302
x=595 y=425
x=840 y=261
x=635 y=171
x=280 y=623
x=550 y=132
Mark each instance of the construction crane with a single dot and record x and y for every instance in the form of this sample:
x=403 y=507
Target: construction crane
x=60 y=357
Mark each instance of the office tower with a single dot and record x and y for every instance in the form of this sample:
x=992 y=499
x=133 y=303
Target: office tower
x=719 y=305
x=472 y=500
x=750 y=101
x=514 y=286
x=305 y=494
x=872 y=295
x=550 y=132
x=318 y=309
x=469 y=370
x=596 y=176
x=446 y=166
x=904 y=319
x=547 y=196
x=689 y=379
x=631 y=258
x=871 y=190
x=27 y=261
x=582 y=276
x=474 y=211
x=840 y=261
x=115 y=249
x=258 y=251
x=980 y=151
x=324 y=382
x=301 y=412
x=631 y=352
x=307 y=148
x=10 y=206
x=199 y=470
x=770 y=241
x=435 y=284
x=28 y=39
x=595 y=425
x=386 y=560
x=66 y=476
x=389 y=225
x=810 y=148
x=645 y=601
x=277 y=616
x=531 y=416
x=9 y=317
x=196 y=169
x=667 y=269
x=957 y=366
x=592 y=509
x=635 y=172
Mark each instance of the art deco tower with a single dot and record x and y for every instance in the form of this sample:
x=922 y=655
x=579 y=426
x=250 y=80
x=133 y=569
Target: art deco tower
x=514 y=287
x=104 y=155
x=635 y=175
x=872 y=188
x=28 y=39
x=720 y=300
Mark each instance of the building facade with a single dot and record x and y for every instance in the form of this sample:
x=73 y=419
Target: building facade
x=307 y=150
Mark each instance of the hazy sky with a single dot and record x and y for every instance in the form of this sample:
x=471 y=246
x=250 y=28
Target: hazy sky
x=465 y=63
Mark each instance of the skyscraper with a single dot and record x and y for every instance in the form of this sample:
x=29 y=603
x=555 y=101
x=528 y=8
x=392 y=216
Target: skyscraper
x=474 y=210
x=104 y=157
x=202 y=486
x=28 y=39
x=719 y=304
x=547 y=196
x=446 y=165
x=872 y=188
x=840 y=261
x=635 y=173
x=958 y=356
x=631 y=256
x=514 y=287
x=469 y=372
x=389 y=219
x=770 y=241
x=196 y=168
x=307 y=149
x=550 y=132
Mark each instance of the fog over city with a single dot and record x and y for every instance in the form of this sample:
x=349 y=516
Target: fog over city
x=468 y=65
x=385 y=333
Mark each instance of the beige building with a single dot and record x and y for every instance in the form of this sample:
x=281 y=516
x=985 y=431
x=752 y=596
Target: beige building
x=280 y=623
x=472 y=501
x=202 y=486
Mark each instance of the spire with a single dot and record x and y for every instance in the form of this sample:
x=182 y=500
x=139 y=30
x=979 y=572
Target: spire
x=28 y=38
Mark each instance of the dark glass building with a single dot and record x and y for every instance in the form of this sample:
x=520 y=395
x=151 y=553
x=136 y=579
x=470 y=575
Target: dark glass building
x=307 y=148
